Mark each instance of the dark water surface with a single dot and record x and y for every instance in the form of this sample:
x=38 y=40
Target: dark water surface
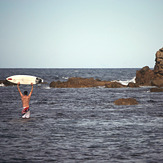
x=80 y=124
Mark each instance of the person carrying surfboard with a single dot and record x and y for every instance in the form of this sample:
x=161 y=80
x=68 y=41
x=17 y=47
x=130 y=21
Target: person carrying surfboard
x=25 y=101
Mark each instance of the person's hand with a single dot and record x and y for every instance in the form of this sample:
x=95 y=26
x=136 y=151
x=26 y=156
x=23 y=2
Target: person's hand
x=31 y=84
x=18 y=83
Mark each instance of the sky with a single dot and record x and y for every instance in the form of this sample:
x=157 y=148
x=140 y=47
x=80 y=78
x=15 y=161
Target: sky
x=80 y=33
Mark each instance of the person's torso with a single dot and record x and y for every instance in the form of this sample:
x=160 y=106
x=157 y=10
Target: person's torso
x=25 y=101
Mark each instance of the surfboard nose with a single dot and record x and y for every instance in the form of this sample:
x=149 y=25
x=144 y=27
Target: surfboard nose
x=9 y=78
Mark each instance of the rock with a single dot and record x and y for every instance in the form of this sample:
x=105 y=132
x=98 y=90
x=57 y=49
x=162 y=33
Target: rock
x=161 y=50
x=144 y=76
x=158 y=69
x=132 y=85
x=57 y=84
x=77 y=82
x=6 y=83
x=127 y=101
x=44 y=83
x=144 y=70
x=114 y=85
x=157 y=82
x=156 y=90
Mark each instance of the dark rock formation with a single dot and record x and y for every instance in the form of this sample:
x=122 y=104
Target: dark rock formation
x=76 y=82
x=127 y=101
x=6 y=83
x=114 y=85
x=144 y=76
x=158 y=69
x=156 y=90
x=132 y=85
x=147 y=77
x=157 y=82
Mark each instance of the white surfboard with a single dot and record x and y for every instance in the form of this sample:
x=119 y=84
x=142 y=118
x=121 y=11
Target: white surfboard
x=24 y=79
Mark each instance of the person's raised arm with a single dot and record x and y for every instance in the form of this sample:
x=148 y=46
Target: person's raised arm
x=19 y=89
x=31 y=90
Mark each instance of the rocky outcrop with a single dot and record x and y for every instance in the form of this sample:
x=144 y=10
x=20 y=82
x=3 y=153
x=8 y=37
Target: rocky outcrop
x=157 y=82
x=114 y=85
x=127 y=101
x=156 y=90
x=144 y=76
x=77 y=82
x=148 y=77
x=158 y=69
x=132 y=85
x=6 y=83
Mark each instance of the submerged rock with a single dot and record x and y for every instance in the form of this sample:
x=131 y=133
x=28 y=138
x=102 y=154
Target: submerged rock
x=156 y=90
x=127 y=101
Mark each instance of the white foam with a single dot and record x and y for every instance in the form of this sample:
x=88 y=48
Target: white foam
x=47 y=87
x=2 y=85
x=100 y=87
x=126 y=81
x=65 y=77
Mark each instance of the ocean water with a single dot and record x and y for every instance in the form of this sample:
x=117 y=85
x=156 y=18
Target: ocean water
x=73 y=125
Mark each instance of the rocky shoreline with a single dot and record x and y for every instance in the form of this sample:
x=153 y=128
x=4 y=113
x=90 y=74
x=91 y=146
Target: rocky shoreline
x=77 y=82
x=144 y=77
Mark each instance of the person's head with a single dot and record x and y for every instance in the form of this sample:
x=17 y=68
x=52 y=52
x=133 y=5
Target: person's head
x=25 y=93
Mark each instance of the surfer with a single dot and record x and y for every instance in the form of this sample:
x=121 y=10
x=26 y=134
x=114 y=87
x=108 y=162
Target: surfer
x=25 y=101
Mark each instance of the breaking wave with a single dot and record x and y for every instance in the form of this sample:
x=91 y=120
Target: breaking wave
x=2 y=85
x=126 y=81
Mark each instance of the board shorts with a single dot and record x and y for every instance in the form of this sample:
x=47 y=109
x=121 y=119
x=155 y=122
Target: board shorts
x=25 y=110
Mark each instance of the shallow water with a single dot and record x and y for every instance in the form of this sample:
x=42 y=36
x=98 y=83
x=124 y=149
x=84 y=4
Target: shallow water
x=81 y=125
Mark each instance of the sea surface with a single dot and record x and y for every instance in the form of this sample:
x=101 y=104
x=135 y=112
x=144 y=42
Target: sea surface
x=80 y=125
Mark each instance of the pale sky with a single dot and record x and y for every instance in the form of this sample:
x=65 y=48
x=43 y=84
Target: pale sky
x=80 y=33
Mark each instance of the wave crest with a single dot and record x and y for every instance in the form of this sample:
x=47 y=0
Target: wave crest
x=126 y=81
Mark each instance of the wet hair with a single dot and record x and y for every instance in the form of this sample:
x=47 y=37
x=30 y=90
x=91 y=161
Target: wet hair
x=25 y=93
